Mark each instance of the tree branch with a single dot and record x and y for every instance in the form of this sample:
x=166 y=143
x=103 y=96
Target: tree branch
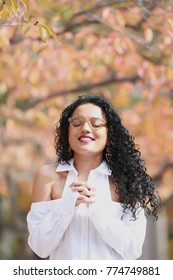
x=167 y=200
x=157 y=181
x=76 y=90
x=158 y=177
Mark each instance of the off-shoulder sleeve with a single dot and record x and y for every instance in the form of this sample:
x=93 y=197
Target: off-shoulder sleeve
x=47 y=222
x=119 y=230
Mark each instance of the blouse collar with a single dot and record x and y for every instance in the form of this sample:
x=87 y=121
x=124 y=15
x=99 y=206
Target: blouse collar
x=102 y=168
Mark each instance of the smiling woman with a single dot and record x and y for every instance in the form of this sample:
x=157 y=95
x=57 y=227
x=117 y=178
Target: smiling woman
x=93 y=203
x=88 y=134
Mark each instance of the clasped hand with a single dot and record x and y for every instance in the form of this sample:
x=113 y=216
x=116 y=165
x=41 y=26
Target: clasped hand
x=86 y=192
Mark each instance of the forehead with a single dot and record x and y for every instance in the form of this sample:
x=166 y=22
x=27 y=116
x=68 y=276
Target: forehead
x=88 y=110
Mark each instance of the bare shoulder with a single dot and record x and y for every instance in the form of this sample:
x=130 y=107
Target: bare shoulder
x=46 y=179
x=46 y=171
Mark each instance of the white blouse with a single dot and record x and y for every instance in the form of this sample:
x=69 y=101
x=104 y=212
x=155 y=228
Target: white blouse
x=60 y=230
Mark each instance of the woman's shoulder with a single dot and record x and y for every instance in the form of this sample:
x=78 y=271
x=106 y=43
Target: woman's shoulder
x=46 y=181
x=48 y=171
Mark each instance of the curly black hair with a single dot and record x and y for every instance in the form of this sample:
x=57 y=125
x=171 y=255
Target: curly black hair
x=132 y=183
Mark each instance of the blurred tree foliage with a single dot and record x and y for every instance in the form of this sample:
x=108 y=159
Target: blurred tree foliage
x=52 y=51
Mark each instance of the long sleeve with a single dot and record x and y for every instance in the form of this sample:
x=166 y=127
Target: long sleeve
x=119 y=230
x=48 y=221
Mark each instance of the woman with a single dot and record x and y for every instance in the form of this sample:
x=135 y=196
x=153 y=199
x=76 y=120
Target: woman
x=91 y=204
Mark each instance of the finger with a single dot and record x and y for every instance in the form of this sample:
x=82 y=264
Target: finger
x=84 y=199
x=79 y=183
x=82 y=184
x=83 y=191
x=87 y=193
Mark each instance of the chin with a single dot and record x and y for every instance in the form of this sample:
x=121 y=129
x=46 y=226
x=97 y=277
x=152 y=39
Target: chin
x=89 y=153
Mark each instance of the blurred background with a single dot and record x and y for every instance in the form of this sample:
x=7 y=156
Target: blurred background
x=53 y=51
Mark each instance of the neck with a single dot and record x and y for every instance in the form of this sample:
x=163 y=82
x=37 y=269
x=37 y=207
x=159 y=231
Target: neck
x=84 y=165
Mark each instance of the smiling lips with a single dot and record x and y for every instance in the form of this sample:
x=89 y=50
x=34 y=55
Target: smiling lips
x=85 y=139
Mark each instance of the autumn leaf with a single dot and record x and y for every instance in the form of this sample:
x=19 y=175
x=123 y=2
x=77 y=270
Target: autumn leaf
x=28 y=23
x=1 y=5
x=46 y=32
x=9 y=7
x=14 y=4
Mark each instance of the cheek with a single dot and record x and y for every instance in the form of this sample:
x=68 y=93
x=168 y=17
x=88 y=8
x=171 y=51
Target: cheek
x=104 y=138
x=105 y=142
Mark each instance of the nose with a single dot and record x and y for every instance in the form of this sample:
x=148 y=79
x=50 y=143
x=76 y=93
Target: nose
x=86 y=126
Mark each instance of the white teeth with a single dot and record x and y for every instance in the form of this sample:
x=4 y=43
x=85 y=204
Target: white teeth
x=87 y=139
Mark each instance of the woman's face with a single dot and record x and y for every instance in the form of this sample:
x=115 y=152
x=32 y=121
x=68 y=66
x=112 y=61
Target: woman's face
x=88 y=131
